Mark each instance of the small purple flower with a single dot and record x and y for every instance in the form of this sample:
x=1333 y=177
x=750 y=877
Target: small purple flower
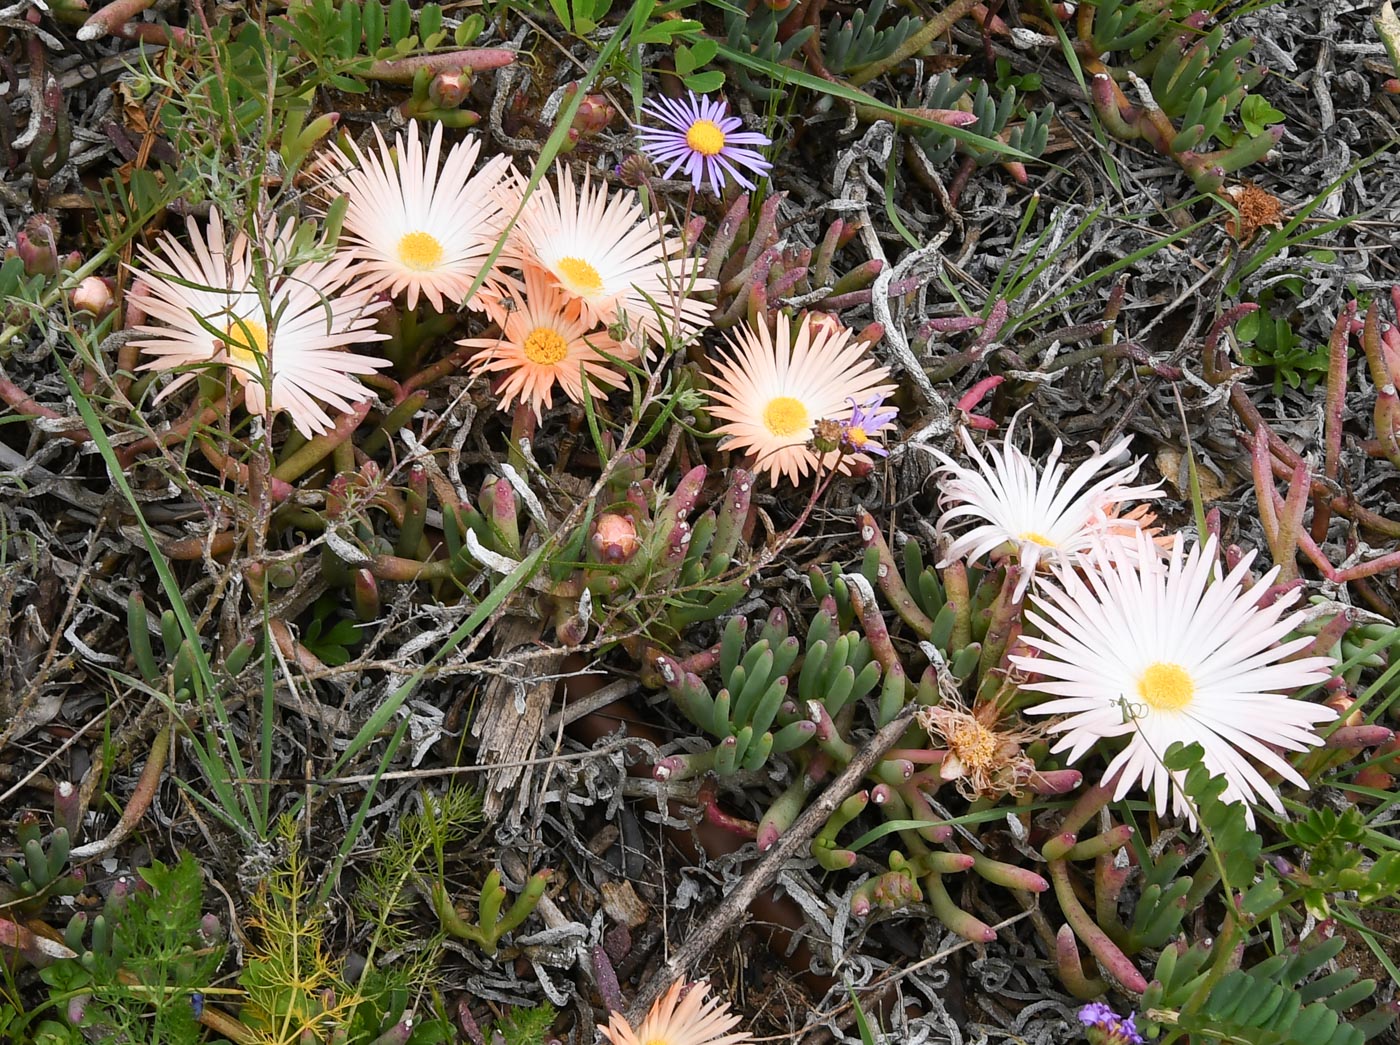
x=701 y=137
x=865 y=421
x=1103 y=1026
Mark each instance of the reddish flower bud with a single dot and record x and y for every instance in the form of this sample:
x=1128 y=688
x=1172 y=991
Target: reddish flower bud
x=94 y=295
x=614 y=537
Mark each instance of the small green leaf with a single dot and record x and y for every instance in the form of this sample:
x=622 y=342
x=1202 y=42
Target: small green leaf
x=704 y=83
x=1257 y=115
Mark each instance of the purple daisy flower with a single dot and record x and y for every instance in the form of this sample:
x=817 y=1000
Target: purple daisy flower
x=865 y=421
x=701 y=137
x=1103 y=1026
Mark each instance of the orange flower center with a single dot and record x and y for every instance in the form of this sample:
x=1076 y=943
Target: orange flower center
x=579 y=276
x=545 y=346
x=705 y=137
x=1037 y=538
x=1166 y=687
x=420 y=251
x=973 y=743
x=245 y=342
x=785 y=417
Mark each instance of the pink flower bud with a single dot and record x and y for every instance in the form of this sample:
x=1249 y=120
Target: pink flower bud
x=94 y=295
x=594 y=114
x=614 y=537
x=447 y=90
x=37 y=246
x=824 y=322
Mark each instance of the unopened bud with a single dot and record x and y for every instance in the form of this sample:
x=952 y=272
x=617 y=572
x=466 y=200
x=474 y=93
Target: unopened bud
x=211 y=930
x=594 y=114
x=1342 y=703
x=824 y=322
x=37 y=246
x=94 y=295
x=633 y=171
x=447 y=90
x=614 y=538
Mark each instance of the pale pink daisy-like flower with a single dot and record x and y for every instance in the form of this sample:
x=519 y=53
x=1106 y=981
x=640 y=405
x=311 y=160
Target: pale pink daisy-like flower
x=416 y=229
x=703 y=138
x=542 y=346
x=1045 y=516
x=772 y=392
x=611 y=258
x=1162 y=654
x=209 y=312
x=682 y=1016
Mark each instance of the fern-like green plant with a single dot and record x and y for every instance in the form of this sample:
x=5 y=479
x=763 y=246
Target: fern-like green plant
x=295 y=985
x=1198 y=991
x=139 y=965
x=526 y=1026
x=383 y=897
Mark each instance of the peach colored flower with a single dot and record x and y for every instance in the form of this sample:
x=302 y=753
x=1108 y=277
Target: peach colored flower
x=207 y=311
x=542 y=345
x=612 y=259
x=682 y=1016
x=771 y=392
x=415 y=229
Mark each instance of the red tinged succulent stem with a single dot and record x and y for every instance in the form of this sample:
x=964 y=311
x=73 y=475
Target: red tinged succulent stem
x=1109 y=954
x=318 y=448
x=1332 y=416
x=1071 y=968
x=111 y=17
x=402 y=70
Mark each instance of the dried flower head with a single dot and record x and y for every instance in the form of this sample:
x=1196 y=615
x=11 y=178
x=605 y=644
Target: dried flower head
x=701 y=137
x=682 y=1016
x=985 y=762
x=612 y=260
x=771 y=392
x=1043 y=516
x=1257 y=209
x=1162 y=654
x=416 y=229
x=542 y=345
x=209 y=312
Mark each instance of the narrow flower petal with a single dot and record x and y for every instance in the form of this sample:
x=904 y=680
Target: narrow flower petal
x=682 y=1016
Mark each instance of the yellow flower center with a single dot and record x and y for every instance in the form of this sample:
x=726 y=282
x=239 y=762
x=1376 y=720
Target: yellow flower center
x=420 y=251
x=545 y=346
x=856 y=436
x=1166 y=687
x=973 y=743
x=785 y=417
x=581 y=277
x=1037 y=538
x=705 y=137
x=245 y=342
